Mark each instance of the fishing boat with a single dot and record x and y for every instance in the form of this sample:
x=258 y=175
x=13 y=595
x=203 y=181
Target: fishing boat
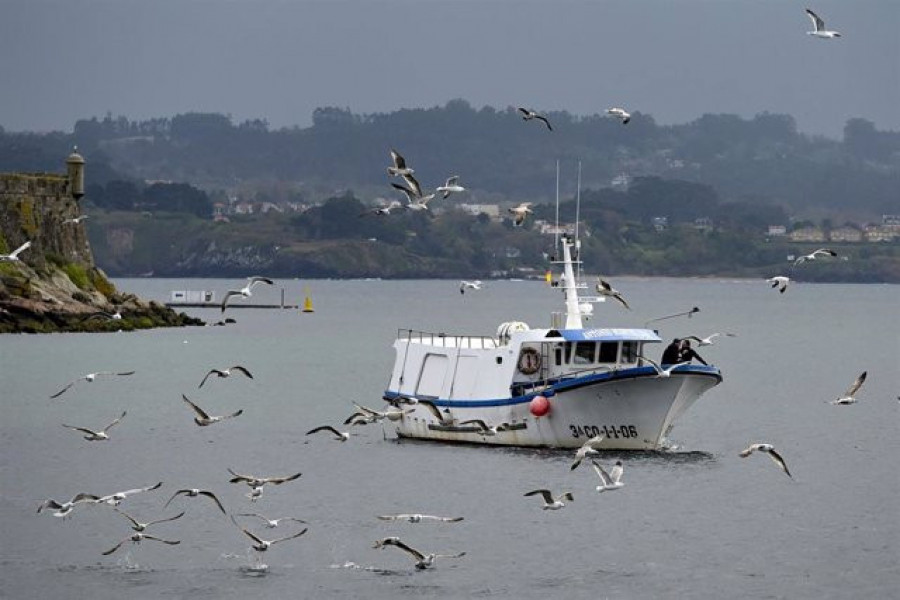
x=553 y=387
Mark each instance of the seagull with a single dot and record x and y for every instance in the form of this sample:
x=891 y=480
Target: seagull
x=609 y=481
x=14 y=255
x=779 y=281
x=819 y=24
x=258 y=482
x=520 y=212
x=417 y=518
x=604 y=289
x=399 y=168
x=450 y=187
x=245 y=292
x=469 y=285
x=483 y=427
x=138 y=526
x=96 y=436
x=707 y=341
x=443 y=416
x=849 y=396
x=202 y=419
x=770 y=450
x=341 y=436
x=367 y=415
x=383 y=210
x=271 y=523
x=76 y=220
x=589 y=447
x=255 y=493
x=226 y=373
x=415 y=201
x=66 y=508
x=137 y=538
x=90 y=377
x=401 y=399
x=807 y=257
x=660 y=372
x=620 y=114
x=551 y=503
x=423 y=561
x=262 y=545
x=528 y=114
x=118 y=497
x=193 y=493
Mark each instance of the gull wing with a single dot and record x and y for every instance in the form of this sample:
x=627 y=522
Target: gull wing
x=252 y=281
x=548 y=497
x=397 y=542
x=413 y=185
x=196 y=408
x=615 y=473
x=81 y=429
x=544 y=119
x=780 y=462
x=129 y=517
x=228 y=295
x=211 y=372
x=451 y=181
x=601 y=473
x=251 y=536
x=325 y=428
x=115 y=422
x=178 y=516
x=399 y=161
x=51 y=503
x=280 y=480
x=65 y=389
x=214 y=499
x=619 y=297
x=856 y=384
x=818 y=23
x=170 y=542
x=238 y=477
x=410 y=195
x=242 y=370
x=290 y=537
x=431 y=406
x=116 y=547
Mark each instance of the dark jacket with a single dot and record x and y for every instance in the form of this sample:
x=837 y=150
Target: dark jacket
x=671 y=353
x=687 y=354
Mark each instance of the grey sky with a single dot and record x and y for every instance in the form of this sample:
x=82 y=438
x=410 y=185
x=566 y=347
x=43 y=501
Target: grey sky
x=61 y=60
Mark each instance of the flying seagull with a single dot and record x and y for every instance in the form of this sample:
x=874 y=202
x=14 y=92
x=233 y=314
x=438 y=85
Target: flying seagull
x=417 y=518
x=66 y=508
x=443 y=416
x=528 y=114
x=90 y=377
x=768 y=449
x=483 y=428
x=551 y=502
x=118 y=497
x=707 y=341
x=271 y=523
x=96 y=436
x=849 y=396
x=138 y=526
x=246 y=291
x=779 y=281
x=202 y=419
x=366 y=415
x=604 y=289
x=415 y=201
x=75 y=220
x=193 y=493
x=383 y=210
x=469 y=285
x=589 y=447
x=520 y=212
x=423 y=561
x=262 y=545
x=258 y=482
x=609 y=481
x=137 y=538
x=620 y=114
x=812 y=256
x=450 y=187
x=399 y=168
x=225 y=373
x=660 y=372
x=341 y=436
x=819 y=24
x=14 y=255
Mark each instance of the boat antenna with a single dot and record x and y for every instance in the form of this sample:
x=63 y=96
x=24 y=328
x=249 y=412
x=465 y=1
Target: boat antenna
x=688 y=313
x=577 y=218
x=556 y=231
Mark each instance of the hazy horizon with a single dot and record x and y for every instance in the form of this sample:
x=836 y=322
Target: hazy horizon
x=278 y=60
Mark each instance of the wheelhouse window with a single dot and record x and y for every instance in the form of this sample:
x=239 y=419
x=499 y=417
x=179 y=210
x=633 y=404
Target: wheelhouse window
x=629 y=352
x=585 y=353
x=609 y=351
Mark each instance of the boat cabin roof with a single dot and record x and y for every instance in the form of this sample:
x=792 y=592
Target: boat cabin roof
x=598 y=334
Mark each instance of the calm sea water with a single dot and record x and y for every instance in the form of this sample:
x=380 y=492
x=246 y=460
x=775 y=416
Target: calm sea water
x=699 y=522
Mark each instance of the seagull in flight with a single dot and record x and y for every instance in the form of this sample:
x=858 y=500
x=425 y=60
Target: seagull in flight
x=707 y=341
x=383 y=210
x=226 y=373
x=469 y=285
x=118 y=497
x=399 y=168
x=819 y=24
x=609 y=481
x=366 y=415
x=246 y=291
x=443 y=416
x=849 y=396
x=450 y=187
x=202 y=419
x=271 y=523
x=66 y=508
x=767 y=449
x=812 y=256
x=551 y=502
x=258 y=482
x=138 y=526
x=96 y=436
x=417 y=518
x=604 y=289
x=423 y=561
x=779 y=281
x=528 y=114
x=193 y=493
x=415 y=201
x=660 y=372
x=14 y=255
x=90 y=377
x=620 y=114
x=341 y=436
x=483 y=428
x=76 y=220
x=520 y=212
x=262 y=545
x=137 y=538
x=589 y=447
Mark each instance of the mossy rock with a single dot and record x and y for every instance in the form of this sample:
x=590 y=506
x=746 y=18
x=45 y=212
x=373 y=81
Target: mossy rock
x=78 y=275
x=101 y=283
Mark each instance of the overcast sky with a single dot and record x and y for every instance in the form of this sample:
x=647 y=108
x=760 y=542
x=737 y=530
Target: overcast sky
x=62 y=60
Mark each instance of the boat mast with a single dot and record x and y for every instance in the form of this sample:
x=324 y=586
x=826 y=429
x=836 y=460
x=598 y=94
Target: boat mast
x=573 y=314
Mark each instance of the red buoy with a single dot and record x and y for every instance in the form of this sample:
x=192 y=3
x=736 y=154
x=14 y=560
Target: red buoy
x=539 y=406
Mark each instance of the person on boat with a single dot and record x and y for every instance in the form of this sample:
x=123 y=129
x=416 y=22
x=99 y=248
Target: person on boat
x=671 y=353
x=686 y=354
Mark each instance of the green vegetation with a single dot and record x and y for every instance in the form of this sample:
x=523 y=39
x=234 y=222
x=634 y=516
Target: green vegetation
x=78 y=275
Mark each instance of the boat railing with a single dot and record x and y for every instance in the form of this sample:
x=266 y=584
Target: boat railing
x=478 y=342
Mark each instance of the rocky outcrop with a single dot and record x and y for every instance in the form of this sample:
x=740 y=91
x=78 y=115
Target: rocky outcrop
x=54 y=285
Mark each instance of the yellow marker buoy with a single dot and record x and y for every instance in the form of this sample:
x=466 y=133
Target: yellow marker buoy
x=307 y=303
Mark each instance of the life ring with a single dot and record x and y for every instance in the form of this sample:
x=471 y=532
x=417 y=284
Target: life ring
x=529 y=361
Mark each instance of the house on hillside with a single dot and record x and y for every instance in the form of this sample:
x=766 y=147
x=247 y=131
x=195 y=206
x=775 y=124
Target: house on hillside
x=808 y=234
x=846 y=234
x=776 y=231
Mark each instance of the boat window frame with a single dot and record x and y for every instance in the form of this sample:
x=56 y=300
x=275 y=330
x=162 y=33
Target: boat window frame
x=623 y=359
x=588 y=360
x=615 y=355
